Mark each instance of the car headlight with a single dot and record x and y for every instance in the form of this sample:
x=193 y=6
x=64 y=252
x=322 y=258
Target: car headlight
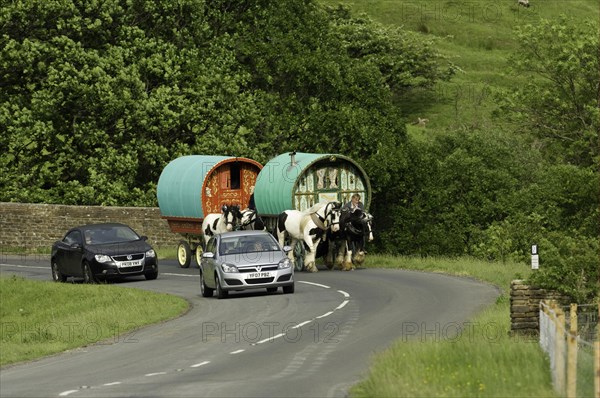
x=151 y=253
x=284 y=263
x=229 y=268
x=103 y=258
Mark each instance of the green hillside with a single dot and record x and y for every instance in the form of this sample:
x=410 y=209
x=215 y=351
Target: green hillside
x=476 y=36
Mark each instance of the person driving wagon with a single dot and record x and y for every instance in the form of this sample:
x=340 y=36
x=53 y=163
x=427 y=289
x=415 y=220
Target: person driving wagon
x=354 y=203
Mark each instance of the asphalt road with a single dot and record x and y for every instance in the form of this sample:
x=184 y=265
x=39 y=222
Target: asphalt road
x=316 y=342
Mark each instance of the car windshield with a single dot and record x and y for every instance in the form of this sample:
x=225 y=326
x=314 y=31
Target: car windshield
x=109 y=234
x=247 y=244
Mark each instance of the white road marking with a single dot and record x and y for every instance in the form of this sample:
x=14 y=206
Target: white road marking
x=200 y=364
x=339 y=307
x=155 y=374
x=301 y=324
x=48 y=267
x=114 y=383
x=23 y=266
x=315 y=284
x=236 y=352
x=272 y=338
x=173 y=274
x=65 y=393
x=324 y=315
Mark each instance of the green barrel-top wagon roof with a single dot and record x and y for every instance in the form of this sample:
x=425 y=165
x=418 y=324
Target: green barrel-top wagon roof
x=299 y=180
x=181 y=184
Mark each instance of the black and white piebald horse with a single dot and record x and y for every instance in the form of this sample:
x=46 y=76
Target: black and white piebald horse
x=216 y=223
x=251 y=220
x=308 y=226
x=346 y=247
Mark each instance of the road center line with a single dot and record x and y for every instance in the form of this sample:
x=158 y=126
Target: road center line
x=339 y=307
x=173 y=274
x=200 y=364
x=23 y=266
x=324 y=315
x=66 y=393
x=315 y=284
x=155 y=374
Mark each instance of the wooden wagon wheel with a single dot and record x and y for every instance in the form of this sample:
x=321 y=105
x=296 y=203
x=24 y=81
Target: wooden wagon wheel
x=299 y=255
x=184 y=254
x=198 y=250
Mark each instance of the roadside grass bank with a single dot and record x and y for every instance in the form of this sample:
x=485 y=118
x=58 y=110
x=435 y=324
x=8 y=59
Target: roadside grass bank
x=475 y=359
x=43 y=318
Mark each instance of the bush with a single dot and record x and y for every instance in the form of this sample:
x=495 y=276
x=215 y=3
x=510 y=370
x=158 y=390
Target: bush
x=569 y=264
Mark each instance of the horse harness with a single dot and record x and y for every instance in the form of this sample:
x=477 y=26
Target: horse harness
x=321 y=221
x=251 y=219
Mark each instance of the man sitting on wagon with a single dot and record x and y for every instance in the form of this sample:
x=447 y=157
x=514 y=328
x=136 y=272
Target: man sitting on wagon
x=354 y=203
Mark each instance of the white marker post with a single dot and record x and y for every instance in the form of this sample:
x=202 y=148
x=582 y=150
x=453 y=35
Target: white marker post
x=535 y=258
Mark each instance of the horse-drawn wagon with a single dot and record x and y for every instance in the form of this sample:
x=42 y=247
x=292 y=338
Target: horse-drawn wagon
x=299 y=181
x=191 y=187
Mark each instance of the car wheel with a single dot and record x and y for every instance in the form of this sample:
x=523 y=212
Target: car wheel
x=57 y=276
x=88 y=275
x=205 y=290
x=221 y=294
x=184 y=254
x=288 y=289
x=151 y=275
x=271 y=289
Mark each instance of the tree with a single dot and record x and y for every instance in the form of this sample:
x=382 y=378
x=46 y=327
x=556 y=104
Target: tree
x=559 y=102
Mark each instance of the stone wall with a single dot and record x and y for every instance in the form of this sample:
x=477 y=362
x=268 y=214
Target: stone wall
x=525 y=307
x=32 y=226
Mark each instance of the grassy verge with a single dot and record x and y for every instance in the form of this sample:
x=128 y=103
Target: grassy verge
x=481 y=360
x=43 y=318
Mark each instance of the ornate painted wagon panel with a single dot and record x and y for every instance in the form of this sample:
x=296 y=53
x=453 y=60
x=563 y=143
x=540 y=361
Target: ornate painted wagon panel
x=231 y=183
x=299 y=180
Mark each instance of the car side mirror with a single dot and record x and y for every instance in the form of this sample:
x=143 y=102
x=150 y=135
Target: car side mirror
x=75 y=245
x=208 y=255
x=287 y=248
x=143 y=237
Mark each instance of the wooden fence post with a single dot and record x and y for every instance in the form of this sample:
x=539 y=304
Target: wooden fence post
x=597 y=358
x=560 y=349
x=572 y=354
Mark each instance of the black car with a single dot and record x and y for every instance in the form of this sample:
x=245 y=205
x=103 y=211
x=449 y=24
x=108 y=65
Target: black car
x=102 y=251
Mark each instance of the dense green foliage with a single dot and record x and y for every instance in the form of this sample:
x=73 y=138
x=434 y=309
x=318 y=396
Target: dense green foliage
x=97 y=97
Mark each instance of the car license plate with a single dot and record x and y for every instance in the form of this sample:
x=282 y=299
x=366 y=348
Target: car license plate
x=256 y=275
x=125 y=264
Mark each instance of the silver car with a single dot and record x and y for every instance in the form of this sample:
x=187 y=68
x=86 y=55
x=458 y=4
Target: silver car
x=243 y=260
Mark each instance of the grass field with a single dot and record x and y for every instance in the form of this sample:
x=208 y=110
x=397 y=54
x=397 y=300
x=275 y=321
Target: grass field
x=475 y=35
x=43 y=318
